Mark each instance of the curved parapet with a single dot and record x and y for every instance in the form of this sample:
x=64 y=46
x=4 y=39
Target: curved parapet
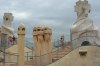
x=7 y=30
x=83 y=56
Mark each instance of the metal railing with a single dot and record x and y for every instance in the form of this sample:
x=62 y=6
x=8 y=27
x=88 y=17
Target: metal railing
x=11 y=59
x=8 y=59
x=43 y=59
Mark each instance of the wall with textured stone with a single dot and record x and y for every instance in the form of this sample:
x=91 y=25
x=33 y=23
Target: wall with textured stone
x=83 y=56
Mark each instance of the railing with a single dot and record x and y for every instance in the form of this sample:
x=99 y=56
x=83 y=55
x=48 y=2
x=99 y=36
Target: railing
x=8 y=59
x=43 y=59
x=75 y=49
x=30 y=59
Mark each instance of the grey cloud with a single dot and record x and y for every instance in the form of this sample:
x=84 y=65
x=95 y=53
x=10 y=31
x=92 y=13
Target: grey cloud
x=58 y=14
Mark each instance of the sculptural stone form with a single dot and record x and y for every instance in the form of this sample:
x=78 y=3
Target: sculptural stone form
x=37 y=44
x=82 y=8
x=48 y=42
x=21 y=45
x=42 y=45
x=7 y=24
x=83 y=29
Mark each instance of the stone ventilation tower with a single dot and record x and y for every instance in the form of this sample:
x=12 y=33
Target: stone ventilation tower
x=21 y=44
x=42 y=45
x=38 y=41
x=83 y=31
x=8 y=18
x=48 y=43
x=7 y=23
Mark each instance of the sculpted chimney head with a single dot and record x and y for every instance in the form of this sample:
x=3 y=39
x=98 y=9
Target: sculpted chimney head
x=21 y=29
x=35 y=31
x=47 y=30
x=8 y=17
x=39 y=30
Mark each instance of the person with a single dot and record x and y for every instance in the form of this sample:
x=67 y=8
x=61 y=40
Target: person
x=10 y=40
x=14 y=39
x=62 y=41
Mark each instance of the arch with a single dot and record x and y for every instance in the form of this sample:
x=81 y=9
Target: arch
x=85 y=43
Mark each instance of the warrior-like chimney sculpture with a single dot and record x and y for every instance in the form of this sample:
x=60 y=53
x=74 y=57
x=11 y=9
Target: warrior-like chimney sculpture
x=83 y=31
x=7 y=24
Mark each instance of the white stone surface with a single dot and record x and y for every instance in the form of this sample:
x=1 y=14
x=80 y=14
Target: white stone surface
x=7 y=24
x=83 y=29
x=14 y=49
x=92 y=58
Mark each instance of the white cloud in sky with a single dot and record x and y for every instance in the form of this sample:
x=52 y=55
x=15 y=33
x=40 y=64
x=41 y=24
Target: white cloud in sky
x=59 y=14
x=21 y=15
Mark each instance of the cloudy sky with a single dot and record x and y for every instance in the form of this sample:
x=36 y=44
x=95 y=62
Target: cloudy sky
x=58 y=14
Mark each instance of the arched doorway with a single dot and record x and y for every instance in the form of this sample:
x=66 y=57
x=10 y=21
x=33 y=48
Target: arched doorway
x=85 y=43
